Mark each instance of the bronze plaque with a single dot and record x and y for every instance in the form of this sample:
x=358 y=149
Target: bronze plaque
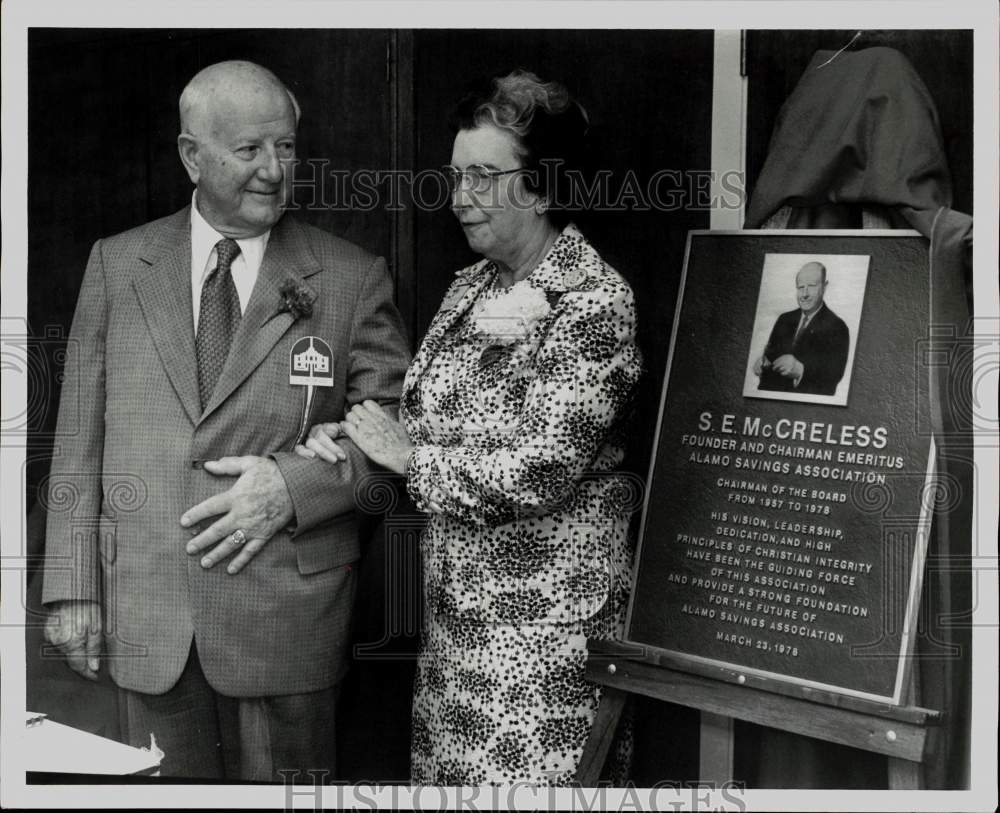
x=790 y=493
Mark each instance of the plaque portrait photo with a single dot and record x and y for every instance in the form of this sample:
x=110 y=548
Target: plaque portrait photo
x=806 y=327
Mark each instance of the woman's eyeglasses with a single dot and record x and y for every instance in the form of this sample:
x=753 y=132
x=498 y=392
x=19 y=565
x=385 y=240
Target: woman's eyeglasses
x=477 y=177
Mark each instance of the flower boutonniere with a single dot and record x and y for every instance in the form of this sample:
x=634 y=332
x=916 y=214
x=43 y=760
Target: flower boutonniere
x=296 y=299
x=510 y=316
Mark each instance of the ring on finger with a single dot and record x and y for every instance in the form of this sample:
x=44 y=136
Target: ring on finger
x=238 y=538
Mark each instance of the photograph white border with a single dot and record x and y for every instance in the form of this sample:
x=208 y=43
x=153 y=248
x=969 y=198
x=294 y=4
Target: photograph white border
x=18 y=15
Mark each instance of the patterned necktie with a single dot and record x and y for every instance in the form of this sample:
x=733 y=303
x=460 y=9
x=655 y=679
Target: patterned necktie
x=802 y=326
x=217 y=319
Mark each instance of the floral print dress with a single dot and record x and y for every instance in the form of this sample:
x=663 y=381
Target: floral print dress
x=515 y=402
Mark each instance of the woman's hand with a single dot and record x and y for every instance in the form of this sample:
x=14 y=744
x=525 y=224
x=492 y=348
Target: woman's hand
x=320 y=442
x=380 y=437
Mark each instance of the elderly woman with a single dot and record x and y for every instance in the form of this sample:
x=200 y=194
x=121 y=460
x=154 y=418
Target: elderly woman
x=509 y=435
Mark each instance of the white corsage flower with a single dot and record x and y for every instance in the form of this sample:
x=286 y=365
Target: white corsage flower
x=510 y=316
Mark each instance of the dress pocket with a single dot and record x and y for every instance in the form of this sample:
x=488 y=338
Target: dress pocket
x=495 y=357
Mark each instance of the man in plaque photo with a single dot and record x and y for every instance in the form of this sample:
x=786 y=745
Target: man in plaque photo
x=218 y=588
x=808 y=347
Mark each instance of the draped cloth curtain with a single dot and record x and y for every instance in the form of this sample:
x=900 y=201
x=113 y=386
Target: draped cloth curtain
x=858 y=144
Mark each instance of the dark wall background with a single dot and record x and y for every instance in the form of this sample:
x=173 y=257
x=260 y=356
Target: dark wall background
x=102 y=123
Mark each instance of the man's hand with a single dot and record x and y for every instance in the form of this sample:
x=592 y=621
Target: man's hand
x=788 y=366
x=257 y=504
x=320 y=442
x=74 y=627
x=760 y=365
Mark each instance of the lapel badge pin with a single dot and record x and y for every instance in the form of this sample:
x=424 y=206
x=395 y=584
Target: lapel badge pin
x=455 y=295
x=310 y=365
x=573 y=276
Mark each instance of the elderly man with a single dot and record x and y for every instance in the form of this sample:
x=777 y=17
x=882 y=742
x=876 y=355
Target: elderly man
x=220 y=579
x=808 y=347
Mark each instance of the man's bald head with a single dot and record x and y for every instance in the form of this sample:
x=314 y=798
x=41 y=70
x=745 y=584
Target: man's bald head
x=237 y=143
x=811 y=269
x=224 y=85
x=810 y=286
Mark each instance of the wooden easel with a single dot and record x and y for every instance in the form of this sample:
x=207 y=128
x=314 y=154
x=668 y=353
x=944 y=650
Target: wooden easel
x=898 y=732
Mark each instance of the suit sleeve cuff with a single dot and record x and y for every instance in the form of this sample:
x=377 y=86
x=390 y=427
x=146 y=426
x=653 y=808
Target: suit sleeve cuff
x=318 y=490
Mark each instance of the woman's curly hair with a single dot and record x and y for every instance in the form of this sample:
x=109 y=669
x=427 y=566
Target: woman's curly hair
x=549 y=126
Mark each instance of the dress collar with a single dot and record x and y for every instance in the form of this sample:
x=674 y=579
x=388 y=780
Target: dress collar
x=569 y=262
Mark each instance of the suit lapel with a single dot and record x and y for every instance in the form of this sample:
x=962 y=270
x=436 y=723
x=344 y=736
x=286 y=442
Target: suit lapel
x=286 y=260
x=164 y=293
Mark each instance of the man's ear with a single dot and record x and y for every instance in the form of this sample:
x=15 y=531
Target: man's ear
x=187 y=147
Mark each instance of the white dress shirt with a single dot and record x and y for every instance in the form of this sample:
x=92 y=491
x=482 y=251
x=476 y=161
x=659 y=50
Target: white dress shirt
x=244 y=269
